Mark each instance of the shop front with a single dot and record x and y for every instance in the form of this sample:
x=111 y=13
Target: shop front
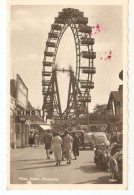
x=22 y=114
x=23 y=127
x=22 y=133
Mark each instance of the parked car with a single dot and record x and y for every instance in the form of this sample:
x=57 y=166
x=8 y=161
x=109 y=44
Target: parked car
x=100 y=138
x=84 y=138
x=101 y=150
x=88 y=140
x=116 y=163
x=101 y=156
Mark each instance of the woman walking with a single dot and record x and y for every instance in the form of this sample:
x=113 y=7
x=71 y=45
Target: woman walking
x=57 y=147
x=36 y=139
x=31 y=138
x=68 y=141
x=75 y=145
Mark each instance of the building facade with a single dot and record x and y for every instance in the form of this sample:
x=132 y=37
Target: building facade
x=22 y=114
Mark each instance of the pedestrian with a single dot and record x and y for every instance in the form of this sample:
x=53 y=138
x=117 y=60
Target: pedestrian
x=31 y=138
x=67 y=144
x=82 y=140
x=57 y=147
x=48 y=141
x=75 y=145
x=63 y=150
x=36 y=139
x=114 y=138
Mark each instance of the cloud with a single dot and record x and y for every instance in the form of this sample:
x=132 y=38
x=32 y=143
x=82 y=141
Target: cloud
x=30 y=57
x=30 y=26
x=24 y=20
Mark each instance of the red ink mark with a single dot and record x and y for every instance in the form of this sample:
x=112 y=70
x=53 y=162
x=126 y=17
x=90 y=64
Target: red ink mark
x=97 y=28
x=108 y=55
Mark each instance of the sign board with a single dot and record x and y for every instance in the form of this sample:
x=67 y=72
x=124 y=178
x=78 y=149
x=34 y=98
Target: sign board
x=21 y=93
x=12 y=105
x=27 y=112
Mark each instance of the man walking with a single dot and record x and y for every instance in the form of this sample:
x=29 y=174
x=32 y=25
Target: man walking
x=48 y=141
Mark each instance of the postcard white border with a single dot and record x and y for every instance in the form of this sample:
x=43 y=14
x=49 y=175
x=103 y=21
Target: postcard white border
x=125 y=92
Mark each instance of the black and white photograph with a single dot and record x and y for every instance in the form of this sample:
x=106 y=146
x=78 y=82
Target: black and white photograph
x=68 y=95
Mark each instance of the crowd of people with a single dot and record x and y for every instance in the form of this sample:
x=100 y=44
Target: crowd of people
x=61 y=145
x=34 y=138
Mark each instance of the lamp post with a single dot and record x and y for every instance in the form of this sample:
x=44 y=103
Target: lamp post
x=87 y=116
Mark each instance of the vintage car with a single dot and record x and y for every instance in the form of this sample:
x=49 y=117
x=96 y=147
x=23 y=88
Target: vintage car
x=85 y=138
x=116 y=163
x=100 y=138
x=101 y=150
x=88 y=140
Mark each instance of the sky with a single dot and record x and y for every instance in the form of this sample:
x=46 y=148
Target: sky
x=29 y=27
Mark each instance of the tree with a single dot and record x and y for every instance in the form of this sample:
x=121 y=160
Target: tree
x=99 y=113
x=100 y=109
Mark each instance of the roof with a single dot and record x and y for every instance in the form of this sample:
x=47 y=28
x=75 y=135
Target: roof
x=29 y=105
x=32 y=117
x=115 y=95
x=45 y=127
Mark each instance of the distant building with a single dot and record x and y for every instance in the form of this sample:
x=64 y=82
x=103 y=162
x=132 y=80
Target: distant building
x=115 y=108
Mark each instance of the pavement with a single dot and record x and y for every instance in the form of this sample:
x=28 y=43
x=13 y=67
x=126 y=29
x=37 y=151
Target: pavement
x=30 y=165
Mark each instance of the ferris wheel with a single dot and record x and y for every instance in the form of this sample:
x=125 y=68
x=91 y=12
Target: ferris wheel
x=81 y=81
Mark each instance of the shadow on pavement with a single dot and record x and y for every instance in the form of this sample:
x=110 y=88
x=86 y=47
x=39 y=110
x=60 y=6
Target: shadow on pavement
x=27 y=160
x=42 y=167
x=100 y=180
x=42 y=162
x=90 y=169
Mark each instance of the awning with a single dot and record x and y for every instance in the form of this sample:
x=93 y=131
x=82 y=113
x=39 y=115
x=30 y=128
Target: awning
x=31 y=117
x=45 y=127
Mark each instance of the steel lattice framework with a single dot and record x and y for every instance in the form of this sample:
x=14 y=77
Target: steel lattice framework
x=79 y=89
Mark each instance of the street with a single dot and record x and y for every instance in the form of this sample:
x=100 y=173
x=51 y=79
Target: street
x=30 y=165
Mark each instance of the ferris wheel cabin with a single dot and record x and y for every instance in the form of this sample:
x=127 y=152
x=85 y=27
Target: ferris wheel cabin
x=71 y=12
x=46 y=92
x=87 y=84
x=56 y=27
x=87 y=41
x=50 y=44
x=81 y=20
x=89 y=55
x=85 y=29
x=53 y=35
x=84 y=99
x=46 y=73
x=89 y=70
x=60 y=20
x=49 y=54
x=45 y=83
x=48 y=63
